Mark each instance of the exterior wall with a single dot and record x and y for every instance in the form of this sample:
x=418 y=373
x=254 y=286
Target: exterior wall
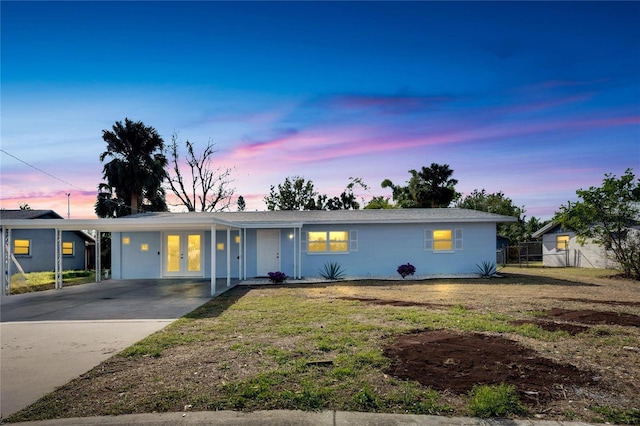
x=129 y=261
x=42 y=250
x=382 y=248
x=377 y=251
x=589 y=255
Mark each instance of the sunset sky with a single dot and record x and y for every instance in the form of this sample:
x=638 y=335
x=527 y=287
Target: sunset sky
x=535 y=99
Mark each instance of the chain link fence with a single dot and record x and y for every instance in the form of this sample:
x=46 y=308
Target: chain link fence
x=525 y=254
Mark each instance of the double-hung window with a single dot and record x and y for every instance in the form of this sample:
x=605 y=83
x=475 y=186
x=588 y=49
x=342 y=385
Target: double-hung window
x=22 y=247
x=67 y=248
x=330 y=241
x=562 y=242
x=442 y=240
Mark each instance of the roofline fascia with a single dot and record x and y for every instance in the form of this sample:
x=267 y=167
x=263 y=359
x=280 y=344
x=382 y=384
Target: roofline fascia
x=173 y=223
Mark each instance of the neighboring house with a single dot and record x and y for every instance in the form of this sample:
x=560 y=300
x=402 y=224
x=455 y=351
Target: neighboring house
x=560 y=248
x=34 y=249
x=242 y=245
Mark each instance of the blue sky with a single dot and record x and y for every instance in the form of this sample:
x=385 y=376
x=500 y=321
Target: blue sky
x=535 y=99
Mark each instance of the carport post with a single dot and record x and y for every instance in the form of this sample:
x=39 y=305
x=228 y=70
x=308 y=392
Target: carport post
x=244 y=253
x=6 y=261
x=98 y=257
x=58 y=254
x=299 y=252
x=228 y=256
x=213 y=259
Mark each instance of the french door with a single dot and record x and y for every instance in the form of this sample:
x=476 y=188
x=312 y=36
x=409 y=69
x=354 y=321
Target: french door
x=183 y=254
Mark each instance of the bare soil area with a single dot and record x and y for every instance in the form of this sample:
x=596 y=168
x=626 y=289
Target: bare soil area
x=596 y=317
x=455 y=362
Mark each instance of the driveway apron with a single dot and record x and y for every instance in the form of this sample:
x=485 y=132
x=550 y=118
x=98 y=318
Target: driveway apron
x=48 y=338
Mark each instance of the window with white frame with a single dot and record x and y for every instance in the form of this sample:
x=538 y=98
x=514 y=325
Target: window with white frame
x=22 y=247
x=442 y=240
x=331 y=241
x=562 y=242
x=67 y=248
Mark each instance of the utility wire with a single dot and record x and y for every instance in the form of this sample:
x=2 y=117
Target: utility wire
x=42 y=171
x=141 y=210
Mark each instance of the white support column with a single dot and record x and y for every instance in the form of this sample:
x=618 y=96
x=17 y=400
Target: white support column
x=240 y=258
x=6 y=262
x=58 y=270
x=295 y=254
x=244 y=252
x=300 y=253
x=228 y=256
x=98 y=257
x=213 y=259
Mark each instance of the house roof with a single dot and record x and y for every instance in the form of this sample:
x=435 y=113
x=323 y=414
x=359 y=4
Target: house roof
x=38 y=216
x=266 y=219
x=547 y=228
x=29 y=214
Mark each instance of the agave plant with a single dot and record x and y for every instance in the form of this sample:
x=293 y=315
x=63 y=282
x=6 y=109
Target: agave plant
x=332 y=271
x=486 y=269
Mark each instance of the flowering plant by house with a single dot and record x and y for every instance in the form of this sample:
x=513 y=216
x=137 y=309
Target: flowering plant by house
x=405 y=270
x=277 y=277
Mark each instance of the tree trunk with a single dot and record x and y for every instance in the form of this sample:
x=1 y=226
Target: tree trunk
x=134 y=203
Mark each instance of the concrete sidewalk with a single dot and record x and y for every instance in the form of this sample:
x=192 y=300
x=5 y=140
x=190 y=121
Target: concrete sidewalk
x=49 y=338
x=291 y=418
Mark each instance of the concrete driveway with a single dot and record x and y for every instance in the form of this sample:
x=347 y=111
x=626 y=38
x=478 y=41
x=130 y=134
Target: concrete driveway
x=48 y=338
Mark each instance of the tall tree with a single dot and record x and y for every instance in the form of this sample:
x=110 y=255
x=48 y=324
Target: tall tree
x=347 y=200
x=136 y=169
x=242 y=205
x=431 y=187
x=203 y=187
x=497 y=203
x=610 y=216
x=295 y=193
x=379 y=202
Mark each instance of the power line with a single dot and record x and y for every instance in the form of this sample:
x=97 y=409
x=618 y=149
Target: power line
x=42 y=171
x=141 y=210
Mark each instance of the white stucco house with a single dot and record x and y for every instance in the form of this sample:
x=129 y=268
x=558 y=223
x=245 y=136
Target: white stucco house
x=560 y=248
x=243 y=245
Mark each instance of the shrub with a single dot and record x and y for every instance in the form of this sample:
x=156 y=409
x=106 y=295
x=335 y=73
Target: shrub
x=277 y=277
x=486 y=269
x=405 y=270
x=332 y=271
x=494 y=401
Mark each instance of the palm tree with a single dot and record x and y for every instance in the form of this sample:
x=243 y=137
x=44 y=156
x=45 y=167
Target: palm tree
x=431 y=187
x=137 y=167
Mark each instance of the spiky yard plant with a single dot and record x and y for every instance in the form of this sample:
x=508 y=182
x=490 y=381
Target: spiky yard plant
x=332 y=271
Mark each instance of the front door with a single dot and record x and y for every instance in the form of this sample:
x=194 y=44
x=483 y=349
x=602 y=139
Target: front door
x=268 y=248
x=183 y=254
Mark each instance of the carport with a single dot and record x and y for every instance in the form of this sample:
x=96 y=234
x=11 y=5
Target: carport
x=99 y=226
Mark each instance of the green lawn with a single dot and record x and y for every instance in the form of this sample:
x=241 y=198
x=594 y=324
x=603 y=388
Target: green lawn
x=314 y=347
x=38 y=281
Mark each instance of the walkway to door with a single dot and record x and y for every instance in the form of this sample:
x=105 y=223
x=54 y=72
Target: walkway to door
x=51 y=337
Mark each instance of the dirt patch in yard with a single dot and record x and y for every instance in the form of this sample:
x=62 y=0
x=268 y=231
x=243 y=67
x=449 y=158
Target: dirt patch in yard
x=601 y=302
x=455 y=362
x=385 y=302
x=595 y=317
x=572 y=329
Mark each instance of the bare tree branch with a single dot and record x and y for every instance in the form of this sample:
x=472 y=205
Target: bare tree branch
x=210 y=188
